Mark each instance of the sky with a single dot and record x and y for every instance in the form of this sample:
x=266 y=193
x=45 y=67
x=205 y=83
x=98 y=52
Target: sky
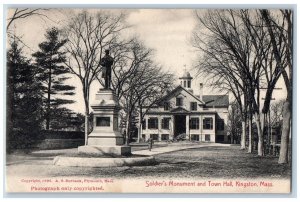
x=167 y=31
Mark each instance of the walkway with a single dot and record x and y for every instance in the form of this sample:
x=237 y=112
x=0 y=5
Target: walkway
x=176 y=147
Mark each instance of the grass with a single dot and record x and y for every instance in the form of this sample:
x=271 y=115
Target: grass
x=205 y=162
x=224 y=162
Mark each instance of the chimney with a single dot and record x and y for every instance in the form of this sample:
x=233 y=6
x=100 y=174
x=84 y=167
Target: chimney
x=201 y=91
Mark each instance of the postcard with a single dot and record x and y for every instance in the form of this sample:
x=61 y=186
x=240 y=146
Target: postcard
x=147 y=100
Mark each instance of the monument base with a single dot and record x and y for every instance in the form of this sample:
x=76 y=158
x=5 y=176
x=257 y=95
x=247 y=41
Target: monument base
x=104 y=138
x=95 y=162
x=96 y=150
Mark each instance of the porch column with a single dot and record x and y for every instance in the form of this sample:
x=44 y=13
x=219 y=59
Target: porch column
x=172 y=127
x=187 y=125
x=159 y=119
x=201 y=127
x=146 y=128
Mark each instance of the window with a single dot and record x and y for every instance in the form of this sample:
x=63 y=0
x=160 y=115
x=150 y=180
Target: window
x=208 y=123
x=154 y=136
x=153 y=123
x=144 y=124
x=164 y=137
x=220 y=124
x=194 y=123
x=166 y=106
x=103 y=121
x=184 y=83
x=195 y=137
x=189 y=84
x=207 y=138
x=179 y=101
x=193 y=106
x=165 y=123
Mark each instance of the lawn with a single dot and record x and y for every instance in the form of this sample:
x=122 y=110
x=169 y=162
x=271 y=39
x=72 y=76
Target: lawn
x=205 y=162
x=222 y=162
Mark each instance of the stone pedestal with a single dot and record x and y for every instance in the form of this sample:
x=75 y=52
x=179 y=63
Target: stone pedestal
x=106 y=138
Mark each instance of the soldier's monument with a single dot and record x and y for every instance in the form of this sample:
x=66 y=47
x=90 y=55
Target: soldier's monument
x=106 y=138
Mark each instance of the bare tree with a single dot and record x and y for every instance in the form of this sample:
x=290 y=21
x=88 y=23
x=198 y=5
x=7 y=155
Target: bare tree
x=234 y=123
x=129 y=57
x=276 y=112
x=219 y=50
x=154 y=85
x=88 y=36
x=18 y=14
x=281 y=34
x=21 y=13
x=240 y=46
x=137 y=80
x=146 y=88
x=260 y=39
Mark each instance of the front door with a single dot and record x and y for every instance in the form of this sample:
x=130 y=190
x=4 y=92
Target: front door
x=180 y=125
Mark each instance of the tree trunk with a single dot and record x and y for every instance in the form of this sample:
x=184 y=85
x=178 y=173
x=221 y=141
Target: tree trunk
x=250 y=136
x=86 y=125
x=233 y=128
x=86 y=95
x=231 y=138
x=87 y=114
x=48 y=100
x=127 y=128
x=243 y=138
x=269 y=132
x=139 y=132
x=260 y=147
x=232 y=133
x=283 y=156
x=140 y=125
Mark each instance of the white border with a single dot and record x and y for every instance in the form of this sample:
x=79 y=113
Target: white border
x=162 y=4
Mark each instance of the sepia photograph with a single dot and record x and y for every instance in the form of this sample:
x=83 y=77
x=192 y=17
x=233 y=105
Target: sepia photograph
x=149 y=100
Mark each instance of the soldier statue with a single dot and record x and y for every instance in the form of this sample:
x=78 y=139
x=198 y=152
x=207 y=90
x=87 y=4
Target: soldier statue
x=107 y=61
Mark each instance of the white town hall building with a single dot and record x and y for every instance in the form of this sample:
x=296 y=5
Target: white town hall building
x=181 y=112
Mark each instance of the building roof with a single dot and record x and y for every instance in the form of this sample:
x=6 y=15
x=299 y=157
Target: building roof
x=178 y=88
x=216 y=100
x=179 y=110
x=207 y=100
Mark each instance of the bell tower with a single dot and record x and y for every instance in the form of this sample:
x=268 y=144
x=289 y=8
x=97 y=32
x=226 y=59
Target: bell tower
x=186 y=81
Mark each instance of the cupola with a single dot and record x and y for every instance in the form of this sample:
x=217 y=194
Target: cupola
x=186 y=81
